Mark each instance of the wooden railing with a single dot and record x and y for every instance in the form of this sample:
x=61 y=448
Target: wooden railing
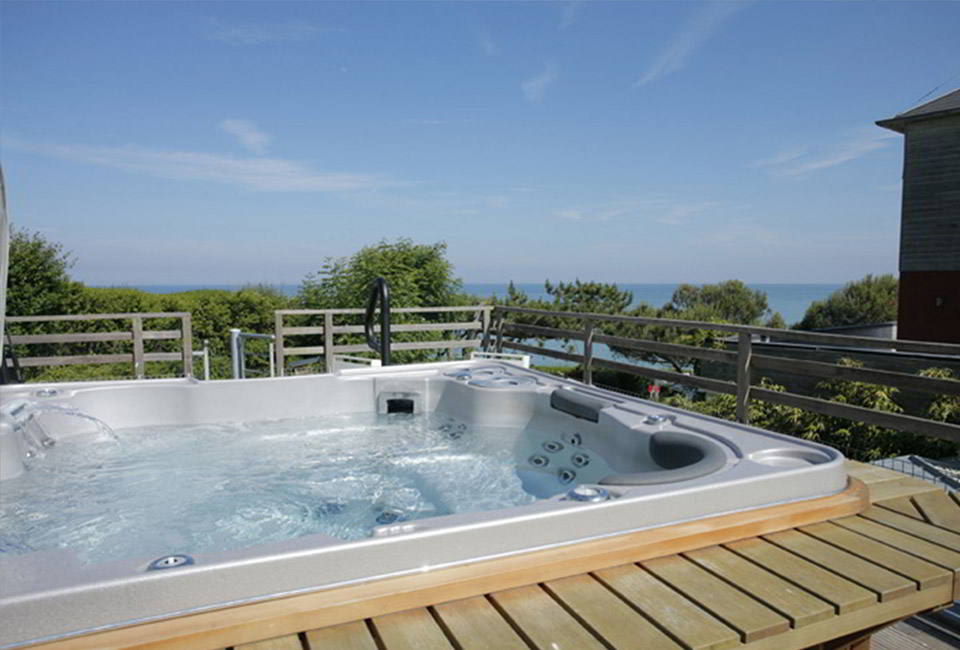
x=136 y=336
x=479 y=323
x=744 y=360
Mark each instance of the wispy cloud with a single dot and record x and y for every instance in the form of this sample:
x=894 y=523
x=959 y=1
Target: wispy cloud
x=487 y=45
x=569 y=14
x=857 y=143
x=702 y=26
x=782 y=158
x=534 y=88
x=260 y=33
x=265 y=174
x=252 y=138
x=664 y=211
x=432 y=121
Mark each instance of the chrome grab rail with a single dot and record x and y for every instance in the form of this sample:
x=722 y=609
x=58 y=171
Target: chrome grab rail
x=238 y=352
x=379 y=289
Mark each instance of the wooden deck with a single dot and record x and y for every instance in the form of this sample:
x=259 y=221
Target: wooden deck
x=830 y=583
x=826 y=585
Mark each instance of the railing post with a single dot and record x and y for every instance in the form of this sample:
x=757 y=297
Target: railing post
x=138 y=369
x=278 y=341
x=206 y=359
x=744 y=351
x=328 y=341
x=270 y=349
x=186 y=336
x=485 y=319
x=588 y=352
x=235 y=352
x=500 y=334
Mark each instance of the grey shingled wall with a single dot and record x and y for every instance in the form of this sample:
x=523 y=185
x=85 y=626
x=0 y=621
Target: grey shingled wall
x=930 y=228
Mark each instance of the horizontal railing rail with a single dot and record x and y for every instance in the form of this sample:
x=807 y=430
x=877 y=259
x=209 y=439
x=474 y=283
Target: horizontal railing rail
x=743 y=359
x=479 y=323
x=136 y=336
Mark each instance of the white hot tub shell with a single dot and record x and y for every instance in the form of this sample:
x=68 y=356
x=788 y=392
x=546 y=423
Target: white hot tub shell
x=668 y=466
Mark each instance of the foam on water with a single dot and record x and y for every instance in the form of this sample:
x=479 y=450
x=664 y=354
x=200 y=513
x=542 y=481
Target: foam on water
x=215 y=487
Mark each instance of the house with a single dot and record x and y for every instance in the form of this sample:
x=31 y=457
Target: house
x=929 y=301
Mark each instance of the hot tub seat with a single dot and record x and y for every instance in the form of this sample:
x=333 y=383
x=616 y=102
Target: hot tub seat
x=682 y=456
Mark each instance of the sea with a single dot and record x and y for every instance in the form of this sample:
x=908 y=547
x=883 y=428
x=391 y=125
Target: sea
x=791 y=300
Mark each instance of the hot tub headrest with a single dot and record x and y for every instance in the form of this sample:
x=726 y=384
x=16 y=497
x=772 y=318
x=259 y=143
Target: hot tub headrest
x=577 y=404
x=682 y=456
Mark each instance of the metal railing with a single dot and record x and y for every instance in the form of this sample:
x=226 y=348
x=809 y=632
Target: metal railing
x=744 y=360
x=136 y=335
x=379 y=292
x=204 y=354
x=238 y=352
x=478 y=324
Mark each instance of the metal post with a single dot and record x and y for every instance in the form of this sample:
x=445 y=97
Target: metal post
x=385 y=325
x=270 y=354
x=205 y=355
x=235 y=352
x=588 y=352
x=744 y=351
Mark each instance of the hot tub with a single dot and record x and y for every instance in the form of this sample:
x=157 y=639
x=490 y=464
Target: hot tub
x=305 y=483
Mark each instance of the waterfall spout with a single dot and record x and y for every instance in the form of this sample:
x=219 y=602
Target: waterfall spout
x=24 y=438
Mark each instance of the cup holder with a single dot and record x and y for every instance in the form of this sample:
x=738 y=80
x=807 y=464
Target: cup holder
x=790 y=457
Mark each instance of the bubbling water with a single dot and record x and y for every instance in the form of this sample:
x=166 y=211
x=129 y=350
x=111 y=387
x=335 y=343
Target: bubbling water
x=216 y=487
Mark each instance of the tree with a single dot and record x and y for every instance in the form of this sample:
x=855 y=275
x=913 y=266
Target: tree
x=726 y=302
x=870 y=300
x=419 y=275
x=38 y=282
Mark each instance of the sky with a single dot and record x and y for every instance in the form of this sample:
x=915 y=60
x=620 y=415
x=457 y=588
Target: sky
x=245 y=142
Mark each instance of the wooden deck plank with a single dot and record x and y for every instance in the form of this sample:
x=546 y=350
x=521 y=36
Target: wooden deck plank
x=681 y=618
x=944 y=538
x=848 y=624
x=905 y=487
x=413 y=629
x=475 y=625
x=346 y=636
x=939 y=509
x=543 y=622
x=903 y=505
x=907 y=543
x=886 y=584
x=785 y=597
x=926 y=574
x=606 y=614
x=749 y=617
x=845 y=595
x=872 y=474
x=289 y=642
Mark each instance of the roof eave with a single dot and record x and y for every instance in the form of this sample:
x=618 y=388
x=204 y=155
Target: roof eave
x=894 y=124
x=899 y=123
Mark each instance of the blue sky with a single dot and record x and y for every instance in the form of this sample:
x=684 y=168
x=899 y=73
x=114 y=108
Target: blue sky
x=187 y=143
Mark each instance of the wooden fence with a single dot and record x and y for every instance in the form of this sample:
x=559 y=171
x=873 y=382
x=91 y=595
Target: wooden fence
x=136 y=336
x=478 y=323
x=743 y=360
